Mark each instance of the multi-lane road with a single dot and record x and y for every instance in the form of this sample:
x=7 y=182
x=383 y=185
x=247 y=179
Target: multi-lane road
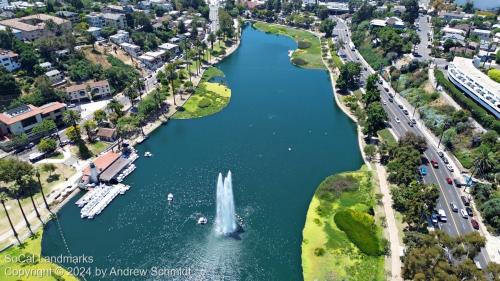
x=456 y=225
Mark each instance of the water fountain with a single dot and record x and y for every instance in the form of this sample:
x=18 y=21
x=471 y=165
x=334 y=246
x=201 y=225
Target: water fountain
x=225 y=220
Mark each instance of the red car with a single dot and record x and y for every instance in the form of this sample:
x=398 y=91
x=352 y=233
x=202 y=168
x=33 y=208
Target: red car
x=474 y=223
x=449 y=180
x=434 y=163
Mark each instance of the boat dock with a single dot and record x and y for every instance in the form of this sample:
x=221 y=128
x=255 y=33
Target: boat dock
x=96 y=200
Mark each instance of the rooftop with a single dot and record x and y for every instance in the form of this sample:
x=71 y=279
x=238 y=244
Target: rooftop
x=102 y=162
x=33 y=22
x=83 y=86
x=26 y=111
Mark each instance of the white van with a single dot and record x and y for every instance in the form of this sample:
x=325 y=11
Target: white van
x=442 y=215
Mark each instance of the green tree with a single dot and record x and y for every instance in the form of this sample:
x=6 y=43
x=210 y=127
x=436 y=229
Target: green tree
x=71 y=117
x=375 y=118
x=9 y=85
x=484 y=161
x=46 y=127
x=100 y=116
x=90 y=126
x=115 y=107
x=411 y=11
x=370 y=151
x=73 y=133
x=171 y=76
x=47 y=145
x=3 y=199
x=327 y=27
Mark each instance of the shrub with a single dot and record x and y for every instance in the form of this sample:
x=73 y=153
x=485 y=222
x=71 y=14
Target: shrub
x=303 y=44
x=334 y=185
x=494 y=74
x=298 y=61
x=361 y=230
x=204 y=103
x=319 y=252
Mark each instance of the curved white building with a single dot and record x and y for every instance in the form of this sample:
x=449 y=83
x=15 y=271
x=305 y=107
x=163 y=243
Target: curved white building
x=475 y=84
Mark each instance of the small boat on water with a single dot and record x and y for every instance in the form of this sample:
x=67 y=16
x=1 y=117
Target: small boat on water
x=202 y=220
x=170 y=197
x=148 y=154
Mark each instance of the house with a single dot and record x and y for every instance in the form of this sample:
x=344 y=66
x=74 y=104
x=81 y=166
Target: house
x=106 y=134
x=94 y=31
x=153 y=60
x=484 y=35
x=47 y=66
x=450 y=30
x=34 y=26
x=144 y=5
x=4 y=4
x=392 y=21
x=118 y=9
x=55 y=77
x=162 y=4
x=131 y=49
x=72 y=17
x=457 y=38
x=24 y=118
x=115 y=20
x=173 y=49
x=95 y=19
x=9 y=60
x=451 y=16
x=88 y=90
x=121 y=36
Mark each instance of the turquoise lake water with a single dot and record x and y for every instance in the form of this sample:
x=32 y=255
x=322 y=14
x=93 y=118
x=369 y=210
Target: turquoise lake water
x=274 y=106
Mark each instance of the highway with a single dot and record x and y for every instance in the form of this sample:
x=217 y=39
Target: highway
x=455 y=225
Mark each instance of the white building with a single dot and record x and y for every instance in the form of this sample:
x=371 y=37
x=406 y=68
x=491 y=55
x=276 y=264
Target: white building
x=475 y=84
x=450 y=30
x=131 y=49
x=171 y=48
x=121 y=36
x=55 y=76
x=213 y=15
x=106 y=19
x=4 y=4
x=153 y=60
x=95 y=19
x=9 y=60
x=24 y=118
x=88 y=91
x=484 y=35
x=47 y=66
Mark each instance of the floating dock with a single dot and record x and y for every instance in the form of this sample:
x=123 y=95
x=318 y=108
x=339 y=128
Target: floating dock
x=96 y=200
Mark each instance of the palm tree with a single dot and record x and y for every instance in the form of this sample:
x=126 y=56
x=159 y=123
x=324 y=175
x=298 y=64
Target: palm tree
x=116 y=107
x=3 y=199
x=131 y=93
x=171 y=76
x=37 y=173
x=211 y=38
x=71 y=117
x=89 y=126
x=16 y=190
x=28 y=185
x=484 y=161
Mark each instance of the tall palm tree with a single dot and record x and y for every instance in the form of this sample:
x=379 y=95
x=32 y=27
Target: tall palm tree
x=211 y=38
x=89 y=126
x=71 y=117
x=115 y=107
x=3 y=199
x=171 y=76
x=37 y=174
x=28 y=185
x=16 y=191
x=484 y=161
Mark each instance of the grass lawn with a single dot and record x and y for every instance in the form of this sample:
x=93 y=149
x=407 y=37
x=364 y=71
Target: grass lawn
x=328 y=253
x=210 y=73
x=387 y=136
x=374 y=57
x=56 y=155
x=26 y=258
x=95 y=147
x=311 y=56
x=208 y=99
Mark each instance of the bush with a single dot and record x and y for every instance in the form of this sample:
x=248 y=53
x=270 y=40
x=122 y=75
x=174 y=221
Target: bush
x=47 y=145
x=494 y=74
x=204 y=103
x=319 y=252
x=361 y=230
x=477 y=112
x=334 y=185
x=303 y=44
x=298 y=61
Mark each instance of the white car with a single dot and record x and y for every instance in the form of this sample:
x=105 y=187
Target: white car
x=450 y=168
x=384 y=103
x=397 y=120
x=463 y=213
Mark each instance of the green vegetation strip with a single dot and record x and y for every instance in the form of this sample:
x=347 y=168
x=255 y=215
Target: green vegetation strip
x=26 y=259
x=340 y=209
x=209 y=97
x=387 y=137
x=308 y=54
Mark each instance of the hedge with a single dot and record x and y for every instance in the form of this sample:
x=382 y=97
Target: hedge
x=477 y=112
x=494 y=74
x=361 y=230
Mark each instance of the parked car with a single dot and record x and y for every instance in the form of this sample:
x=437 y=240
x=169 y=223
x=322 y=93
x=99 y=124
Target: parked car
x=441 y=154
x=400 y=106
x=386 y=89
x=449 y=181
x=405 y=111
x=413 y=121
x=434 y=218
x=465 y=200
x=391 y=100
x=474 y=223
x=445 y=160
x=384 y=103
x=457 y=182
x=397 y=120
x=453 y=207
x=469 y=211
x=410 y=124
x=434 y=163
x=449 y=167
x=463 y=213
x=423 y=170
x=442 y=215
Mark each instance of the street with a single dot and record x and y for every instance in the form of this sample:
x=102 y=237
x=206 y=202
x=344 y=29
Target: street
x=456 y=225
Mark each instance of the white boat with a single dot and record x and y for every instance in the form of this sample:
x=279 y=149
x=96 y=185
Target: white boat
x=170 y=197
x=202 y=220
x=148 y=154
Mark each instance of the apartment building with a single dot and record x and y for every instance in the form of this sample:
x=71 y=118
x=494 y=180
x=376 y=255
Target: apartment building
x=9 y=60
x=88 y=91
x=33 y=27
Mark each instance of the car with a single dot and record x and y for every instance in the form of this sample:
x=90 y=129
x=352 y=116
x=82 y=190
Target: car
x=445 y=160
x=441 y=154
x=405 y=111
x=64 y=142
x=434 y=163
x=463 y=213
x=442 y=215
x=365 y=68
x=449 y=181
x=465 y=200
x=423 y=170
x=380 y=82
x=453 y=207
x=413 y=121
x=400 y=106
x=391 y=95
x=71 y=105
x=434 y=218
x=391 y=100
x=450 y=168
x=457 y=182
x=29 y=145
x=474 y=223
x=397 y=120
x=384 y=103
x=386 y=89
x=469 y=211
x=410 y=124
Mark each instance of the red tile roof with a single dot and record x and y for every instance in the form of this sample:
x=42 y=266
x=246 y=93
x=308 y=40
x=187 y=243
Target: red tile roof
x=102 y=162
x=9 y=119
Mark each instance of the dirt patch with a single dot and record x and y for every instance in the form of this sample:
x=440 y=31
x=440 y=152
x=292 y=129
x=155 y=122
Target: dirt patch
x=428 y=87
x=97 y=57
